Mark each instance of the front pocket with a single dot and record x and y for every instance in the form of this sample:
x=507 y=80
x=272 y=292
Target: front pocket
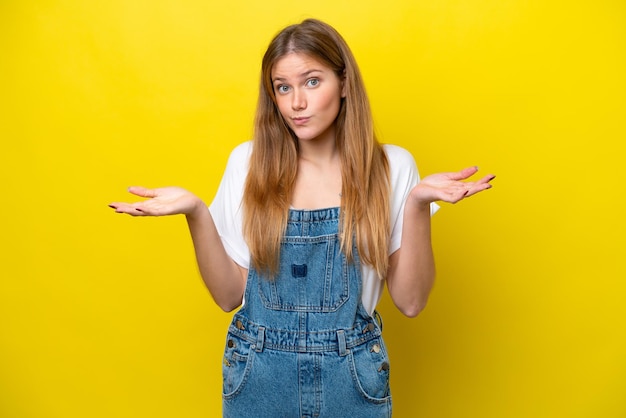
x=313 y=276
x=236 y=365
x=369 y=365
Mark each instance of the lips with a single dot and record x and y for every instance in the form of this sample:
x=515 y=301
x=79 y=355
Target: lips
x=301 y=120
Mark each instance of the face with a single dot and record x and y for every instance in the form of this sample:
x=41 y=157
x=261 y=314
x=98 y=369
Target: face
x=308 y=95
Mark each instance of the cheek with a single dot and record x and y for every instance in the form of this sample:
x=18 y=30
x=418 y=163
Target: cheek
x=283 y=107
x=332 y=103
x=332 y=98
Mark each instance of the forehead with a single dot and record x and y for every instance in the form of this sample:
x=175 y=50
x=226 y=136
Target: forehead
x=296 y=64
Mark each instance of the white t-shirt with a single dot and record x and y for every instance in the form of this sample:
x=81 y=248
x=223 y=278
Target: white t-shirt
x=226 y=210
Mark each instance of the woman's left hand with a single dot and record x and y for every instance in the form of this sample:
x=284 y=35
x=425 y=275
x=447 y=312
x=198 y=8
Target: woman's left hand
x=449 y=187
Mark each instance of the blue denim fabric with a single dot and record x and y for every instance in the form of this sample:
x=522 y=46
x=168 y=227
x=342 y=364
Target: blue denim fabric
x=303 y=345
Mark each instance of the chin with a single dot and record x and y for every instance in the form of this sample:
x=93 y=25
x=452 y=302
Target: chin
x=310 y=136
x=305 y=136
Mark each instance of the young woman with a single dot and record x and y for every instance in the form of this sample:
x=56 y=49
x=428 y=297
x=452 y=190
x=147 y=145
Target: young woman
x=311 y=219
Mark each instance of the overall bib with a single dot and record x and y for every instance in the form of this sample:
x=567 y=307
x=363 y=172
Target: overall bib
x=303 y=345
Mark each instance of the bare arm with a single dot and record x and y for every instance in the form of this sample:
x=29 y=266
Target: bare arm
x=412 y=267
x=222 y=276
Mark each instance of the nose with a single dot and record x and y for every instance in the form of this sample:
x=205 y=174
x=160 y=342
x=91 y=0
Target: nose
x=298 y=100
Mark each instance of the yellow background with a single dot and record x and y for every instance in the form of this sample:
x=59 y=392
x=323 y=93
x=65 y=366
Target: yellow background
x=103 y=315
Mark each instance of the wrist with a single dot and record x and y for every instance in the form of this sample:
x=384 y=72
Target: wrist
x=418 y=201
x=197 y=209
x=419 y=205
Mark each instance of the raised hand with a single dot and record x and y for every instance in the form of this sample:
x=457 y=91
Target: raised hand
x=450 y=187
x=160 y=202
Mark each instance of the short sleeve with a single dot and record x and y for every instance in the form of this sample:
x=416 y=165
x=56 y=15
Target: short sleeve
x=226 y=208
x=404 y=175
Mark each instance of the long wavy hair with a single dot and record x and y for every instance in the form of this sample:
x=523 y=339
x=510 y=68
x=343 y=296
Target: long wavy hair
x=274 y=159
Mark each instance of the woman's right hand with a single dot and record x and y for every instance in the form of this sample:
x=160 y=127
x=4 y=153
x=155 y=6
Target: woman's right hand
x=160 y=202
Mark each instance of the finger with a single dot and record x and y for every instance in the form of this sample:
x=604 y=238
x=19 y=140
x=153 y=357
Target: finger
x=458 y=196
x=129 y=209
x=117 y=206
x=478 y=187
x=463 y=174
x=486 y=179
x=142 y=191
x=452 y=196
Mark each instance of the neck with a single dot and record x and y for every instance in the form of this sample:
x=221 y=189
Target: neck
x=319 y=150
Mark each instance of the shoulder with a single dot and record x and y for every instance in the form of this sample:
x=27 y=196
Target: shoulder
x=241 y=153
x=396 y=152
x=401 y=163
x=238 y=160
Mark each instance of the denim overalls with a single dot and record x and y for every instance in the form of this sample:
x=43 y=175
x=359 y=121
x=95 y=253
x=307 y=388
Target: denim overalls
x=303 y=345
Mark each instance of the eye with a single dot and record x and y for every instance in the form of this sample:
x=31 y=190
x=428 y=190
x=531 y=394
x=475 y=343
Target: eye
x=312 y=82
x=282 y=88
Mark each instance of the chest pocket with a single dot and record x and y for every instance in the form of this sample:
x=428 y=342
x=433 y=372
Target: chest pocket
x=313 y=276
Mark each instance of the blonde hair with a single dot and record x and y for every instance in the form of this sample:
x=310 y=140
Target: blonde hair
x=274 y=159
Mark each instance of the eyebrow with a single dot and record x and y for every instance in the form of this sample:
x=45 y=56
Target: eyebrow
x=303 y=75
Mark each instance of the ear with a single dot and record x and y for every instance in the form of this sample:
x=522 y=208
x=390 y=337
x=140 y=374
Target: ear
x=343 y=85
